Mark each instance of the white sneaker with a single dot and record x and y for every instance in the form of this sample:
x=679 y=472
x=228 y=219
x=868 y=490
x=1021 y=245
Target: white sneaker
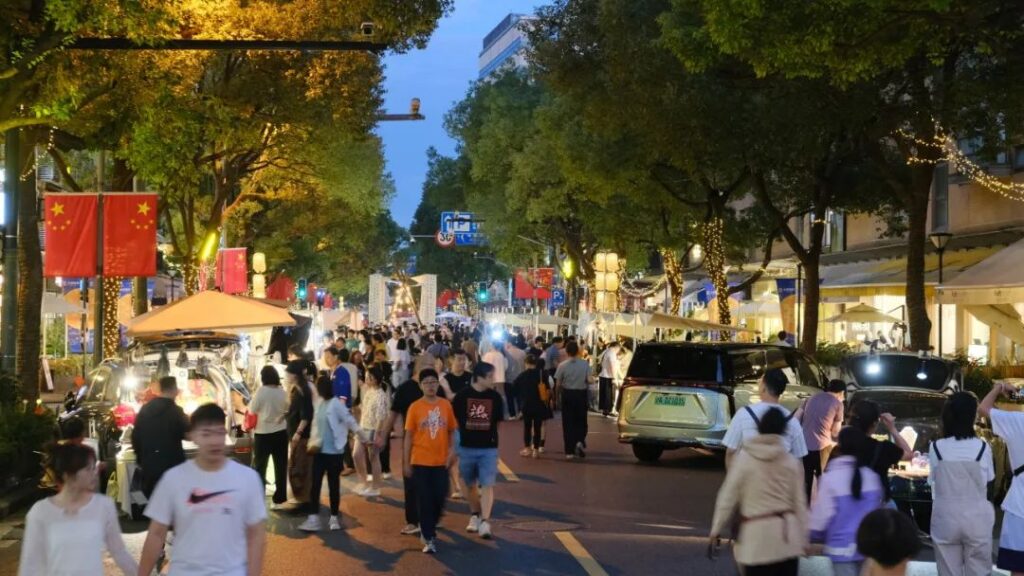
x=485 y=530
x=474 y=524
x=430 y=547
x=359 y=489
x=281 y=506
x=369 y=478
x=410 y=530
x=334 y=524
x=370 y=492
x=312 y=524
x=270 y=489
x=386 y=476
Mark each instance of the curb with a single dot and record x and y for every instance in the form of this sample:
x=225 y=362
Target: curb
x=19 y=498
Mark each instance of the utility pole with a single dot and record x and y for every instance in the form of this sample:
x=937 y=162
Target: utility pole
x=97 y=320
x=9 y=309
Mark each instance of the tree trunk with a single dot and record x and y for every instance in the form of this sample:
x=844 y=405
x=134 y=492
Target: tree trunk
x=190 y=276
x=812 y=298
x=674 y=277
x=30 y=283
x=917 y=239
x=140 y=296
x=714 y=263
x=111 y=337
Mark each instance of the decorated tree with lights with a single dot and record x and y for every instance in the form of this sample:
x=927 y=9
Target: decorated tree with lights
x=939 y=66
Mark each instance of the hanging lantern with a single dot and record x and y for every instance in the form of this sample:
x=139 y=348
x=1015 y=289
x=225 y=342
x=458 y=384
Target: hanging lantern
x=612 y=282
x=599 y=281
x=612 y=262
x=601 y=262
x=259 y=286
x=599 y=300
x=259 y=262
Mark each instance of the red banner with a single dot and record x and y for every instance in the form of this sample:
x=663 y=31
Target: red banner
x=129 y=234
x=70 y=235
x=534 y=283
x=282 y=288
x=232 y=271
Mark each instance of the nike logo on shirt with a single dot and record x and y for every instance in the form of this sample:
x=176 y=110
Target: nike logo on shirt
x=197 y=498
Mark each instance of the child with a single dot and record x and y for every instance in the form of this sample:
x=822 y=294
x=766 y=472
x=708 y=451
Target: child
x=848 y=492
x=73 y=527
x=216 y=506
x=888 y=539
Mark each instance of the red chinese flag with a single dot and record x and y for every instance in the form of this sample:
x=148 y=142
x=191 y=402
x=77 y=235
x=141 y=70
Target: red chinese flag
x=70 y=235
x=129 y=234
x=232 y=271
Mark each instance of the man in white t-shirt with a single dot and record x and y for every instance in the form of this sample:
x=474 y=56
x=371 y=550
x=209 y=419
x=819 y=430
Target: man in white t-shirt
x=746 y=420
x=606 y=380
x=1010 y=427
x=216 y=506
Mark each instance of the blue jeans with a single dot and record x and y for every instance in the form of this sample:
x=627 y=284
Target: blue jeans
x=478 y=465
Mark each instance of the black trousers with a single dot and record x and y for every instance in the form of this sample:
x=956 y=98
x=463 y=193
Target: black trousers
x=511 y=400
x=385 y=454
x=347 y=455
x=532 y=430
x=814 y=466
x=329 y=464
x=574 y=419
x=412 y=511
x=784 y=568
x=431 y=491
x=275 y=446
x=605 y=395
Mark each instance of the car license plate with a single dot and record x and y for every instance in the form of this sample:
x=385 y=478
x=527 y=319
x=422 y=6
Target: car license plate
x=670 y=400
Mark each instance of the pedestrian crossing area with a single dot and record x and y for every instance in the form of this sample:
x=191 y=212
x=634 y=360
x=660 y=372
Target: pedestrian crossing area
x=820 y=566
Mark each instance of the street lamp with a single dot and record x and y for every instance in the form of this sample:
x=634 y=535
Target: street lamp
x=940 y=240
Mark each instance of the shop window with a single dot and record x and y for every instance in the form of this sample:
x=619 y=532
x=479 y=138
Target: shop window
x=835 y=231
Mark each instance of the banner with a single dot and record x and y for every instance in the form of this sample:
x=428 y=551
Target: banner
x=232 y=271
x=70 y=235
x=787 y=307
x=533 y=283
x=129 y=234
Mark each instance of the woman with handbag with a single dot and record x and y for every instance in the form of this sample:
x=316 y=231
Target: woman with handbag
x=332 y=423
x=764 y=491
x=535 y=398
x=299 y=424
x=269 y=408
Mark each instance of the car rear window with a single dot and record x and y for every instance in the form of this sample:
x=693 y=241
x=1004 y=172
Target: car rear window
x=675 y=363
x=872 y=371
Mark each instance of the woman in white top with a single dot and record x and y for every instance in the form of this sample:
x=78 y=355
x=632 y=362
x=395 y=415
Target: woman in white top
x=400 y=364
x=270 y=438
x=375 y=407
x=65 y=535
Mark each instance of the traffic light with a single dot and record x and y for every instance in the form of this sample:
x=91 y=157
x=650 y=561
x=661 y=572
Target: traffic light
x=481 y=292
x=300 y=290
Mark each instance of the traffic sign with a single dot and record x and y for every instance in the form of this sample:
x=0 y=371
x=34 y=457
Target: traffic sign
x=444 y=239
x=463 y=226
x=557 y=298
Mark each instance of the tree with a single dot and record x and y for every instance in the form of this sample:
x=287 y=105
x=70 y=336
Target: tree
x=928 y=58
x=443 y=191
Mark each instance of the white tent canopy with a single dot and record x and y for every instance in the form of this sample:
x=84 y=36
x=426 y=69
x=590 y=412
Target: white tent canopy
x=211 y=310
x=995 y=280
x=56 y=304
x=864 y=314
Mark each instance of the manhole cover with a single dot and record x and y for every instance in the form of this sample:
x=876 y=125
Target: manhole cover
x=543 y=526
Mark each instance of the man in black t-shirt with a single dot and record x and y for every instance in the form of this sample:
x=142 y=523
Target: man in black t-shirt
x=458 y=379
x=478 y=410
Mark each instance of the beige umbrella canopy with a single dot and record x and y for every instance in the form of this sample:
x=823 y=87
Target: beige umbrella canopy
x=864 y=314
x=211 y=310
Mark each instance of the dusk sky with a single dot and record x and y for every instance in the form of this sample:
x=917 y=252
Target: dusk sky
x=439 y=76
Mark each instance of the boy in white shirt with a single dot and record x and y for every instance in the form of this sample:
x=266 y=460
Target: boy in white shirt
x=216 y=506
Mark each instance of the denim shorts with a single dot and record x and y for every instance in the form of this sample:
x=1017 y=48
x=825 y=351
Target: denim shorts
x=478 y=465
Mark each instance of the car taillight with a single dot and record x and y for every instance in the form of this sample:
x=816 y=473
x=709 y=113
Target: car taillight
x=124 y=415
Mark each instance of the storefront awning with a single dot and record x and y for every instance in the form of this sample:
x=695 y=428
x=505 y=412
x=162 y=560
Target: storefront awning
x=1001 y=317
x=889 y=276
x=996 y=280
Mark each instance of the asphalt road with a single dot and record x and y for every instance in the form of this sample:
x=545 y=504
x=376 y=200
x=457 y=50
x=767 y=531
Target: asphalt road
x=605 y=515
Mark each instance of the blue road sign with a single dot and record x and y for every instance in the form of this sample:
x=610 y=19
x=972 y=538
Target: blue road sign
x=557 y=297
x=463 y=226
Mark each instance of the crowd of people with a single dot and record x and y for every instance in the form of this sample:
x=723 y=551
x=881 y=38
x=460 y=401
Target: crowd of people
x=815 y=481
x=438 y=394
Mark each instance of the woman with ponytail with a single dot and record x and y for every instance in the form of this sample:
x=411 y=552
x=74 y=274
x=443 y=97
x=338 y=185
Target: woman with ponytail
x=66 y=533
x=849 y=490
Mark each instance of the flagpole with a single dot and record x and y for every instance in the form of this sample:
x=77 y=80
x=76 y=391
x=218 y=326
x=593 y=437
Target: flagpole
x=97 y=321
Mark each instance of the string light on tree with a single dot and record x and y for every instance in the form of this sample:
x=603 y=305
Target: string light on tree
x=714 y=263
x=944 y=147
x=111 y=327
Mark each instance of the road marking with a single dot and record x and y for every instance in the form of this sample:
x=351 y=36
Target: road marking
x=586 y=561
x=666 y=526
x=507 y=472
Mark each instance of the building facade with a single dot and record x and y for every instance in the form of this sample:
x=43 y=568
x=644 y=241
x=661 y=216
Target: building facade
x=505 y=46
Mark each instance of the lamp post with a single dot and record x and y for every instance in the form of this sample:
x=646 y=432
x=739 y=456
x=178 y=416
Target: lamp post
x=940 y=240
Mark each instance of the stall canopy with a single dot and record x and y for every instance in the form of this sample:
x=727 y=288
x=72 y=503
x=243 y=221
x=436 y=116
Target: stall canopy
x=996 y=280
x=211 y=310
x=864 y=314
x=56 y=304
